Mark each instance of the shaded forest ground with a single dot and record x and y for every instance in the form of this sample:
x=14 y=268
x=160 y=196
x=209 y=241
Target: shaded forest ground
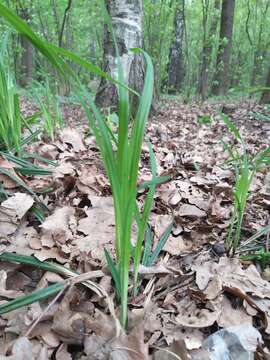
x=194 y=290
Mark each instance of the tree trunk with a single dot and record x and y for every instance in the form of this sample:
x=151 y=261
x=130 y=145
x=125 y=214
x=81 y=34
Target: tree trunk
x=126 y=17
x=265 y=98
x=176 y=61
x=27 y=56
x=257 y=46
x=27 y=63
x=207 y=51
x=221 y=79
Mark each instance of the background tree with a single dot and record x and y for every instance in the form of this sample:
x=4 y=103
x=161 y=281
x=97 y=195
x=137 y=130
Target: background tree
x=221 y=79
x=26 y=58
x=265 y=98
x=176 y=59
x=67 y=23
x=208 y=43
x=126 y=17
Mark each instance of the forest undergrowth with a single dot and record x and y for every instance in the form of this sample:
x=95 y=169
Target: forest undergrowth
x=194 y=288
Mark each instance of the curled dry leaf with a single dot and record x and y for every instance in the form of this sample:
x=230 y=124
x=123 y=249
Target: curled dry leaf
x=10 y=294
x=62 y=170
x=191 y=211
x=198 y=318
x=192 y=337
x=103 y=344
x=62 y=353
x=231 y=274
x=7 y=182
x=12 y=211
x=231 y=316
x=98 y=226
x=72 y=137
x=177 y=350
x=174 y=245
x=156 y=269
x=21 y=350
x=57 y=226
x=20 y=203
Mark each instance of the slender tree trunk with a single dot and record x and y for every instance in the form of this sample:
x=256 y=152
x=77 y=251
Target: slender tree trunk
x=265 y=98
x=26 y=60
x=64 y=21
x=257 y=46
x=176 y=60
x=221 y=79
x=207 y=51
x=126 y=17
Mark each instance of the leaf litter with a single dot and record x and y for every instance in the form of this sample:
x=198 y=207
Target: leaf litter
x=192 y=291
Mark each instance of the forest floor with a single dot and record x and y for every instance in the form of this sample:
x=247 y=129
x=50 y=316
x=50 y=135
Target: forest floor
x=194 y=290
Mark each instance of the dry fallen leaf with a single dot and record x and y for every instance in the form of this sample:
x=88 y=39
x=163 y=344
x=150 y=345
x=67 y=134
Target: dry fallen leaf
x=7 y=182
x=232 y=274
x=230 y=316
x=56 y=227
x=72 y=137
x=21 y=350
x=191 y=211
x=12 y=211
x=98 y=226
x=9 y=294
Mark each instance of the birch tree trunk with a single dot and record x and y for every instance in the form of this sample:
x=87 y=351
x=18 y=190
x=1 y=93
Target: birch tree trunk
x=221 y=79
x=126 y=17
x=176 y=61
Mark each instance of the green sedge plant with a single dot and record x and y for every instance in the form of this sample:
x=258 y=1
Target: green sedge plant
x=15 y=131
x=245 y=167
x=49 y=105
x=11 y=121
x=121 y=156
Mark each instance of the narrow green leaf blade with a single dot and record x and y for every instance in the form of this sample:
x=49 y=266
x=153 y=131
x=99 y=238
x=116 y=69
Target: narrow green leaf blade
x=31 y=298
x=160 y=245
x=114 y=272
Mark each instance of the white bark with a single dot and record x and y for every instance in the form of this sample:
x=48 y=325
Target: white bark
x=126 y=17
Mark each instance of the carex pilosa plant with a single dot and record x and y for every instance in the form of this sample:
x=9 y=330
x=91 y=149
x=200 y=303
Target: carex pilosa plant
x=120 y=153
x=245 y=166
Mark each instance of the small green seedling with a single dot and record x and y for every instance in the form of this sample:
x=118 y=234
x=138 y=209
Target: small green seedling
x=245 y=167
x=205 y=119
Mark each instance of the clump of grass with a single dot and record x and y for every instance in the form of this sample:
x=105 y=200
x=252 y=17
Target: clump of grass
x=245 y=167
x=11 y=121
x=49 y=105
x=121 y=157
x=16 y=132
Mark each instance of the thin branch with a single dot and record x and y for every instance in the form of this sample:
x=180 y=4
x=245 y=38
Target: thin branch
x=247 y=24
x=60 y=39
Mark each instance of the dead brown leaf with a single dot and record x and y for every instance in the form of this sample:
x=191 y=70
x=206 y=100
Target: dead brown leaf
x=57 y=227
x=73 y=137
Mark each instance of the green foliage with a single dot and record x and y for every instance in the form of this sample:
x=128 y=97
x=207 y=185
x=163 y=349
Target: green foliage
x=42 y=293
x=49 y=105
x=245 y=167
x=262 y=257
x=11 y=121
x=121 y=155
x=122 y=167
x=204 y=119
x=150 y=256
x=85 y=27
